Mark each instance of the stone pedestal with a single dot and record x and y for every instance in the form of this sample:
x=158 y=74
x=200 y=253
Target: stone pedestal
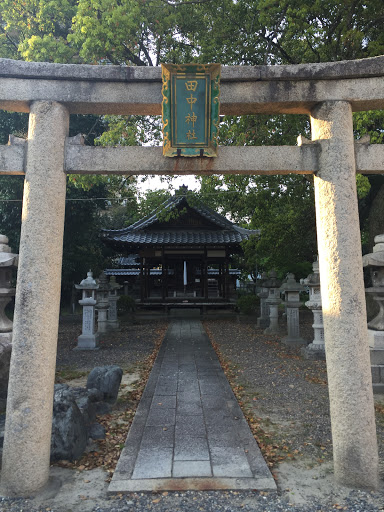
x=375 y=261
x=273 y=327
x=7 y=262
x=263 y=320
x=316 y=349
x=376 y=346
x=292 y=291
x=113 y=323
x=273 y=301
x=102 y=305
x=88 y=339
x=342 y=288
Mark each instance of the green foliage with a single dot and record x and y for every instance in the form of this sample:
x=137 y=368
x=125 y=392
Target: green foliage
x=247 y=304
x=36 y=30
x=370 y=122
x=125 y=304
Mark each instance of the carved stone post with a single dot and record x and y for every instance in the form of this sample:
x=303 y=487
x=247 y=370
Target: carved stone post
x=27 y=440
x=342 y=287
x=375 y=260
x=316 y=349
x=113 y=323
x=102 y=305
x=292 y=291
x=7 y=262
x=273 y=301
x=88 y=339
x=263 y=319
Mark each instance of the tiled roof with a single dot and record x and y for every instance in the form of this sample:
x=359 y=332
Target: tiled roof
x=132 y=260
x=181 y=238
x=158 y=272
x=142 y=232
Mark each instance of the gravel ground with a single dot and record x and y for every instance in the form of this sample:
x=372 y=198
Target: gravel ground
x=132 y=343
x=287 y=394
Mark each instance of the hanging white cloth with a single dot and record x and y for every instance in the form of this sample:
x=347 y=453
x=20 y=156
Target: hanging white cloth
x=185 y=273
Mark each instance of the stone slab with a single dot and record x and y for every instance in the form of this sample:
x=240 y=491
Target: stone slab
x=189 y=440
x=190 y=484
x=182 y=468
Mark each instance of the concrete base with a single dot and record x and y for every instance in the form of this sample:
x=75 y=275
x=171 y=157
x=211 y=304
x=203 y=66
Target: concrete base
x=88 y=342
x=262 y=323
x=314 y=352
x=113 y=326
x=293 y=342
x=190 y=484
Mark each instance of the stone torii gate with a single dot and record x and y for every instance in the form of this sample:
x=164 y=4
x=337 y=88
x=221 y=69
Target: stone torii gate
x=327 y=92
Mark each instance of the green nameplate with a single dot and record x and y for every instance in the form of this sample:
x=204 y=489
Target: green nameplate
x=190 y=109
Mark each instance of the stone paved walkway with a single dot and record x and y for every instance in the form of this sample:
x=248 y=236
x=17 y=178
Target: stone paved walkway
x=189 y=431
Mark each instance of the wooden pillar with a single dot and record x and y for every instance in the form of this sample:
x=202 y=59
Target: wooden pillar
x=163 y=274
x=227 y=275
x=205 y=274
x=142 y=284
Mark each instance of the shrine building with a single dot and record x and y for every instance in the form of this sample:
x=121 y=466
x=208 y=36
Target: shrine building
x=179 y=255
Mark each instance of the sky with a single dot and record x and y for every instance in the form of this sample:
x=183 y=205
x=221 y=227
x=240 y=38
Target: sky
x=154 y=183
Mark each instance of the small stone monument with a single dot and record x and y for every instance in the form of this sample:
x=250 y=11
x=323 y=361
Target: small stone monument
x=375 y=260
x=316 y=349
x=88 y=339
x=292 y=291
x=102 y=304
x=263 y=319
x=113 y=323
x=8 y=261
x=273 y=300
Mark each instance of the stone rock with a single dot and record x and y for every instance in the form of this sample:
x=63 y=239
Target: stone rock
x=106 y=379
x=96 y=431
x=69 y=430
x=5 y=358
x=102 y=408
x=85 y=404
x=95 y=395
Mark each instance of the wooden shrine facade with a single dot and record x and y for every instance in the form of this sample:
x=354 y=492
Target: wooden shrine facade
x=180 y=253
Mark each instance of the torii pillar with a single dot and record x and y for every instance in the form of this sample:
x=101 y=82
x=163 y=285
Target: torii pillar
x=341 y=273
x=27 y=443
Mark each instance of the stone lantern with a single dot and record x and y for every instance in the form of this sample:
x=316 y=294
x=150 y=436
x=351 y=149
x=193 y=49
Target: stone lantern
x=102 y=305
x=292 y=291
x=8 y=261
x=316 y=349
x=273 y=300
x=263 y=319
x=375 y=260
x=88 y=339
x=113 y=323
